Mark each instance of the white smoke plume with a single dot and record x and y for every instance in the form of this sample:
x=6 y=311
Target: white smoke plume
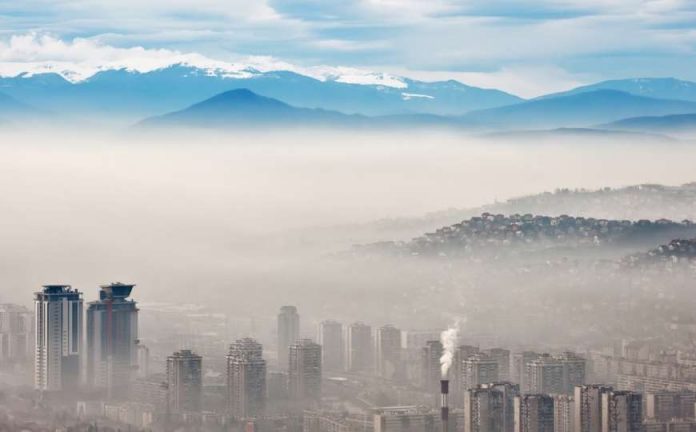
x=449 y=344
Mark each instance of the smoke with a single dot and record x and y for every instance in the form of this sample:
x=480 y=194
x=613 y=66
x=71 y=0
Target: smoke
x=449 y=344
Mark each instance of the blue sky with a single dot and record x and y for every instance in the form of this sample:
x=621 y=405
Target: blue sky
x=525 y=46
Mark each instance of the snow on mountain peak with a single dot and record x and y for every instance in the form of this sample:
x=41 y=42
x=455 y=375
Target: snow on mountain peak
x=80 y=59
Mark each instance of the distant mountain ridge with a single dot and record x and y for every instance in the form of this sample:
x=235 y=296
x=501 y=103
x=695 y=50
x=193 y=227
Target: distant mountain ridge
x=577 y=110
x=658 y=88
x=497 y=235
x=243 y=108
x=135 y=95
x=123 y=97
x=669 y=123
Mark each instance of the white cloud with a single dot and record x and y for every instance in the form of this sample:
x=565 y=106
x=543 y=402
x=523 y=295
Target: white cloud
x=81 y=58
x=524 y=81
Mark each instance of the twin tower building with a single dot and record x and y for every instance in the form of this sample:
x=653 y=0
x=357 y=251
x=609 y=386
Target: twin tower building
x=110 y=355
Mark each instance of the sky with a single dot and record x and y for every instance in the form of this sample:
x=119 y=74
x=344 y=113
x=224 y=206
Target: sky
x=528 y=47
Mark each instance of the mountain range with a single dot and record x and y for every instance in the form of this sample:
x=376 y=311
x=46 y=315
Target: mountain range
x=134 y=95
x=189 y=93
x=669 y=123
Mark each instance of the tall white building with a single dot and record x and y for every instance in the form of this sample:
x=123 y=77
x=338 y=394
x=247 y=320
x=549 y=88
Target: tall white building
x=58 y=343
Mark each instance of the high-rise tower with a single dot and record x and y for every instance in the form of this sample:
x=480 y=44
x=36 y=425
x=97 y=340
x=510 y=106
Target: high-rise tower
x=304 y=372
x=360 y=348
x=112 y=340
x=246 y=379
x=58 y=312
x=184 y=382
x=288 y=332
x=332 y=345
x=388 y=344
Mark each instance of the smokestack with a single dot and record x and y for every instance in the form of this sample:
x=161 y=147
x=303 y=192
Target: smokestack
x=444 y=404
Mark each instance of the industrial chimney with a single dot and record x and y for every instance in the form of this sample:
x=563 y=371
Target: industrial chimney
x=444 y=404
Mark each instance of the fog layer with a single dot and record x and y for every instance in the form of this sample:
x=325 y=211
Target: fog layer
x=227 y=220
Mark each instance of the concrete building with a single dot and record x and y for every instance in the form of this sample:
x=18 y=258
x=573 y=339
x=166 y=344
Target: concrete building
x=534 y=413
x=430 y=366
x=574 y=371
x=184 y=382
x=16 y=334
x=518 y=371
x=622 y=411
x=246 y=379
x=359 y=348
x=478 y=369
x=509 y=392
x=305 y=372
x=332 y=345
x=675 y=425
x=455 y=374
x=666 y=405
x=388 y=351
x=151 y=390
x=545 y=375
x=563 y=413
x=502 y=358
x=288 y=332
x=112 y=340
x=143 y=361
x=588 y=407
x=58 y=347
x=483 y=410
x=417 y=339
x=412 y=419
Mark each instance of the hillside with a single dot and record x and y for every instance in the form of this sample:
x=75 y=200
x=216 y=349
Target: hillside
x=577 y=110
x=500 y=235
x=134 y=95
x=659 y=88
x=636 y=202
x=667 y=124
x=679 y=250
x=243 y=108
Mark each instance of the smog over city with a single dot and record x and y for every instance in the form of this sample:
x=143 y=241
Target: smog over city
x=302 y=217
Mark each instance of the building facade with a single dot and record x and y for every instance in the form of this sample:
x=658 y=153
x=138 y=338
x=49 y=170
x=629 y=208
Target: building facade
x=246 y=379
x=305 y=372
x=332 y=344
x=588 y=407
x=359 y=348
x=112 y=340
x=16 y=334
x=388 y=351
x=184 y=382
x=534 y=413
x=478 y=369
x=622 y=411
x=288 y=332
x=58 y=341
